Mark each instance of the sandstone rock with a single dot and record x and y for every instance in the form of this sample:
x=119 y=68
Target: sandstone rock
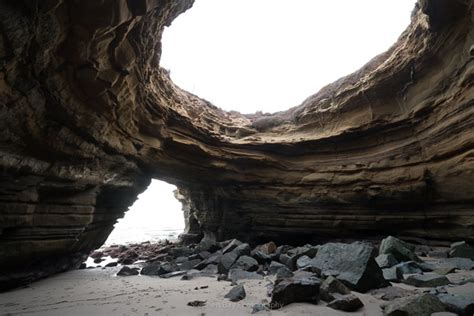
x=267 y=248
x=418 y=305
x=461 y=249
x=299 y=288
x=401 y=250
x=347 y=303
x=386 y=260
x=88 y=118
x=354 y=263
x=426 y=280
x=331 y=286
x=237 y=293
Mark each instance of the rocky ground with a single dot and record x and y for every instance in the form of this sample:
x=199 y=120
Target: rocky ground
x=365 y=278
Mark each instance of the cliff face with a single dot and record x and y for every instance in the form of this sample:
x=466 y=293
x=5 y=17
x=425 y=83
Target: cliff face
x=88 y=118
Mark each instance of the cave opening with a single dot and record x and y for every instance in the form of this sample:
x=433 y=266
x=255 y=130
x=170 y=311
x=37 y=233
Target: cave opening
x=267 y=56
x=156 y=215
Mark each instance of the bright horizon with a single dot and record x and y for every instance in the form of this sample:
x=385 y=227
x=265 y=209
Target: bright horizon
x=264 y=55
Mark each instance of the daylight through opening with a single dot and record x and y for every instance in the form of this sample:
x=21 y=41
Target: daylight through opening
x=268 y=56
x=155 y=215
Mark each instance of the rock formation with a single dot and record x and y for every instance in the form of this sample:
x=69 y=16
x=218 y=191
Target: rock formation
x=88 y=118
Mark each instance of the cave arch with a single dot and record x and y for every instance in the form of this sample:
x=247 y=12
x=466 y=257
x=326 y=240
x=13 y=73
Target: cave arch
x=88 y=118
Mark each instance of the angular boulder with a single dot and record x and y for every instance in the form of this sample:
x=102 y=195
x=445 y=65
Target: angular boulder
x=237 y=293
x=245 y=263
x=462 y=250
x=302 y=287
x=401 y=250
x=386 y=260
x=426 y=280
x=330 y=287
x=459 y=304
x=347 y=303
x=353 y=264
x=417 y=305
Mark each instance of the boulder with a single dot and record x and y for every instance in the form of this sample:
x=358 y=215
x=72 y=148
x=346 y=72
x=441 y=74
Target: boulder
x=126 y=271
x=159 y=269
x=347 y=303
x=213 y=259
x=386 y=260
x=353 y=264
x=292 y=255
x=227 y=260
x=284 y=272
x=401 y=250
x=332 y=286
x=188 y=265
x=462 y=250
x=426 y=280
x=234 y=243
x=260 y=257
x=245 y=263
x=417 y=305
x=274 y=267
x=303 y=262
x=461 y=305
x=239 y=274
x=237 y=293
x=302 y=287
x=242 y=250
x=409 y=267
x=393 y=274
x=391 y=293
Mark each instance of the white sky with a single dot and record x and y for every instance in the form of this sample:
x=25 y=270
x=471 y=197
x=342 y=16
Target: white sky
x=270 y=55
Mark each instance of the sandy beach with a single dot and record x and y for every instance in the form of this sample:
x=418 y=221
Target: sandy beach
x=100 y=292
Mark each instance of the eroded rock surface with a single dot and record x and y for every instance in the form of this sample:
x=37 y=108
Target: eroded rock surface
x=88 y=117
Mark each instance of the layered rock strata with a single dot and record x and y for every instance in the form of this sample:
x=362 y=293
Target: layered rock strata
x=88 y=118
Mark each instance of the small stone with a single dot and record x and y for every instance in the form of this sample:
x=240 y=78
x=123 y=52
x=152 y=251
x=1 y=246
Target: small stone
x=242 y=250
x=236 y=294
x=458 y=263
x=126 y=271
x=426 y=280
x=258 y=308
x=197 y=303
x=347 y=303
x=188 y=265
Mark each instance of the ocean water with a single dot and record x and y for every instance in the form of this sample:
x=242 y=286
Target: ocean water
x=155 y=215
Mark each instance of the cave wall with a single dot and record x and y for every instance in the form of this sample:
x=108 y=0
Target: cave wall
x=88 y=118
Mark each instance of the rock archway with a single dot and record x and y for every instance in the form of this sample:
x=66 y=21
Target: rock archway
x=88 y=118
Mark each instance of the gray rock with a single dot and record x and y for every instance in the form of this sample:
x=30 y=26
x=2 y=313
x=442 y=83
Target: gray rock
x=284 y=272
x=417 y=305
x=353 y=263
x=409 y=267
x=180 y=252
x=426 y=266
x=227 y=260
x=444 y=314
x=391 y=293
x=126 y=271
x=260 y=257
x=302 y=287
x=445 y=270
x=303 y=262
x=393 y=274
x=462 y=305
x=239 y=274
x=208 y=243
x=201 y=255
x=292 y=255
x=245 y=263
x=242 y=250
x=188 y=265
x=386 y=260
x=426 y=280
x=181 y=260
x=330 y=286
x=458 y=263
x=258 y=308
x=347 y=303
x=210 y=270
x=172 y=274
x=213 y=259
x=462 y=250
x=401 y=250
x=234 y=243
x=438 y=254
x=274 y=266
x=159 y=269
x=237 y=293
